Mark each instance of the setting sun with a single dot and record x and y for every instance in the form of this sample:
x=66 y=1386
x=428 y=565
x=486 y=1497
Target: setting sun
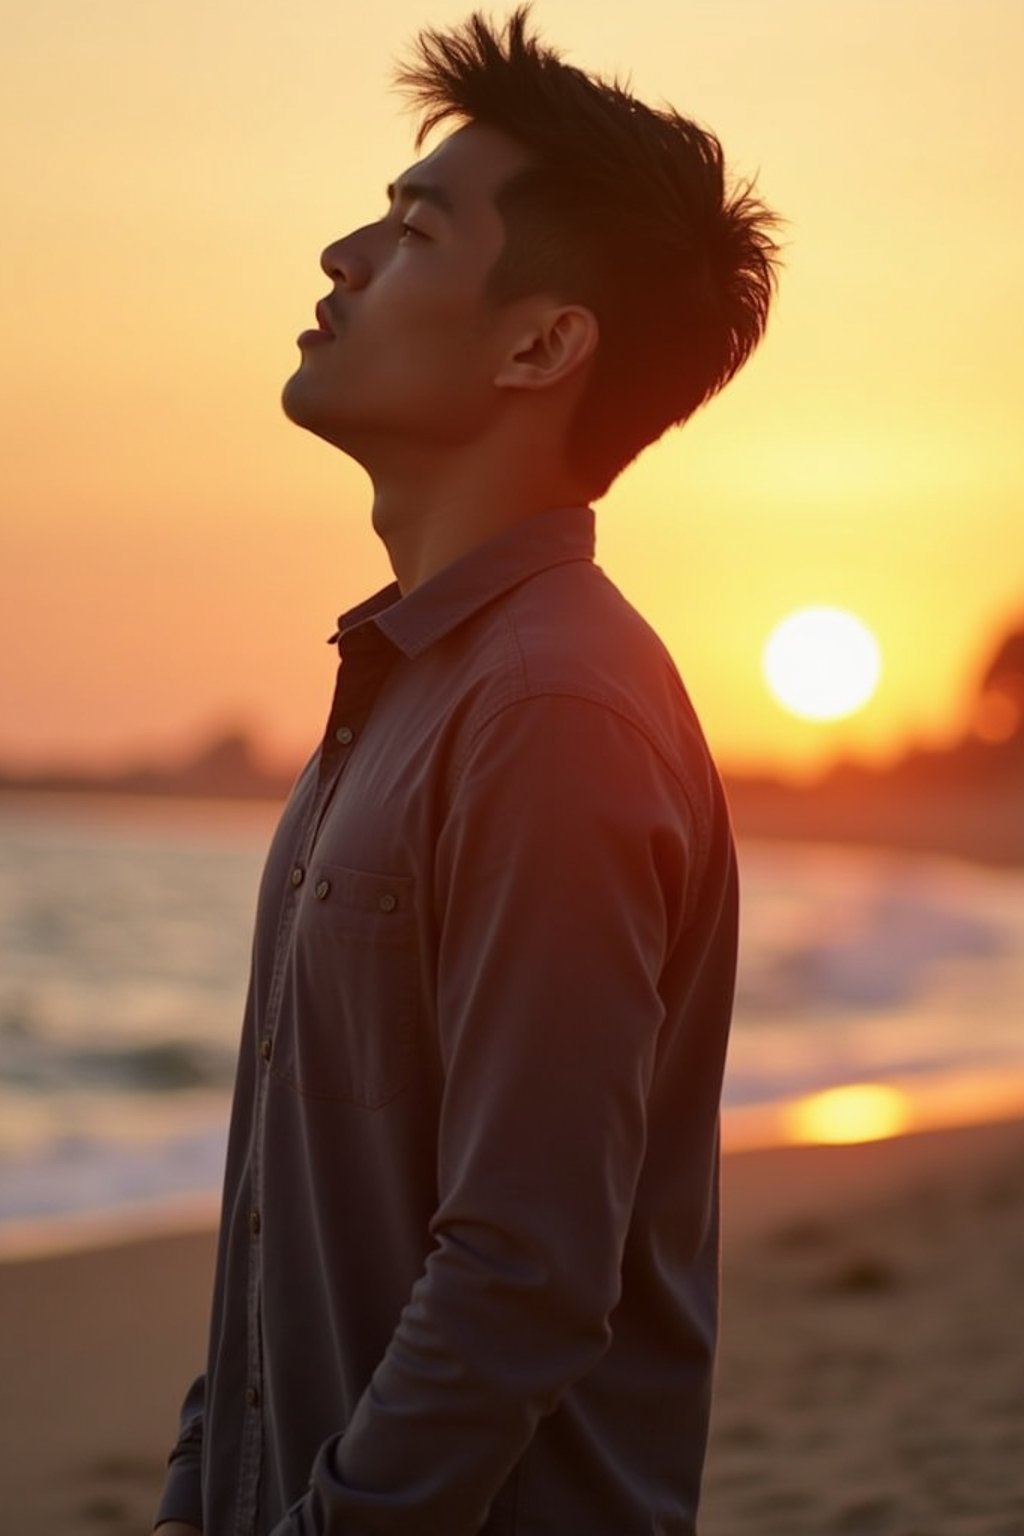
x=822 y=663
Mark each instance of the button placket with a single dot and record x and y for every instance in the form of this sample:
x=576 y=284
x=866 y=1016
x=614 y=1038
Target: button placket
x=361 y=687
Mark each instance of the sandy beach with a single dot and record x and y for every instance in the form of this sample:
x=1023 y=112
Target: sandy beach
x=871 y=1377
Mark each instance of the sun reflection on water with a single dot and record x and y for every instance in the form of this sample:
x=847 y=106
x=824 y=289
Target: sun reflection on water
x=855 y=1112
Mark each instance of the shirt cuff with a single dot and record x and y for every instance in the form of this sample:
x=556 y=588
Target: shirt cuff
x=183 y=1494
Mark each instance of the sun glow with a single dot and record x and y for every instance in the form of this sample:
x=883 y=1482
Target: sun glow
x=856 y=1112
x=822 y=663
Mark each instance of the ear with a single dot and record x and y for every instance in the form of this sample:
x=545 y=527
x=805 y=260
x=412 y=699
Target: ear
x=552 y=349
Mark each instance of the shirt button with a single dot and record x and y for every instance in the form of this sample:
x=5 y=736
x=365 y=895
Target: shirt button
x=345 y=734
x=322 y=889
x=252 y=1397
x=254 y=1223
x=266 y=1046
x=298 y=875
x=388 y=902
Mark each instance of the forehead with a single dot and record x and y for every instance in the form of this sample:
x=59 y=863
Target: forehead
x=469 y=167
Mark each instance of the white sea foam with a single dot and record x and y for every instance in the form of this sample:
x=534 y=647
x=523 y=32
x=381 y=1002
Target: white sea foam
x=124 y=944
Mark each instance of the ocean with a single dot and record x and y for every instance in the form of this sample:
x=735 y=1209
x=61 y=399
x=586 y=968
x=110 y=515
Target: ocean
x=125 y=928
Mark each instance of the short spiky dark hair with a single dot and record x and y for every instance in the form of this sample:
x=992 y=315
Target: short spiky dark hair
x=624 y=208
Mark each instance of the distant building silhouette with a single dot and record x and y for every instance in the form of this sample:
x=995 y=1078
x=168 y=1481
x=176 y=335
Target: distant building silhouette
x=228 y=767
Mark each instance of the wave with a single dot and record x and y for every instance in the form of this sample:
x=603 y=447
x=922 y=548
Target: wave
x=31 y=1061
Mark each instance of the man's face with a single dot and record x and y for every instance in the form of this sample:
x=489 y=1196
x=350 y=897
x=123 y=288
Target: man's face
x=408 y=345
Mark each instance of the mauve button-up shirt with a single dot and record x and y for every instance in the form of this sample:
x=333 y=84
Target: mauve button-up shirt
x=467 y=1263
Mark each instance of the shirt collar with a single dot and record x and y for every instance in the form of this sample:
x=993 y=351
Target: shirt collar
x=454 y=594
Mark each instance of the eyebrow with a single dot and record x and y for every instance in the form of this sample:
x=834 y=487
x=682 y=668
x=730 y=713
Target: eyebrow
x=422 y=191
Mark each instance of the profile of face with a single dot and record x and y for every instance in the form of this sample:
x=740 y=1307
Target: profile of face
x=409 y=348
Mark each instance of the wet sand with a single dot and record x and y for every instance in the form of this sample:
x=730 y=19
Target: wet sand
x=871 y=1373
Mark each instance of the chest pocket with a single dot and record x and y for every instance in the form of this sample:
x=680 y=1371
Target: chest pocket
x=347 y=1026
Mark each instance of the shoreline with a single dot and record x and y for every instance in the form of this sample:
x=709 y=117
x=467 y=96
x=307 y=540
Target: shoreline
x=28 y=1238
x=978 y=823
x=867 y=1339
x=952 y=1104
x=166 y=1219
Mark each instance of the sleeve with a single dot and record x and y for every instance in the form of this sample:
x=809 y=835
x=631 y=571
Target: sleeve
x=182 y=1497
x=560 y=879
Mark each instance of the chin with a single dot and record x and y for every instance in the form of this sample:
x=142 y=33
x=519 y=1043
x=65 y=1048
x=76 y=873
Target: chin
x=295 y=400
x=300 y=405
x=303 y=405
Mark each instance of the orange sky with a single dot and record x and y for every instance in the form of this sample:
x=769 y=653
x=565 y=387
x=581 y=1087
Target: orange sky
x=174 y=552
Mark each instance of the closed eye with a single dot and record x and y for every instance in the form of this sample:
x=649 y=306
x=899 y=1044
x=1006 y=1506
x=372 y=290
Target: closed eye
x=410 y=231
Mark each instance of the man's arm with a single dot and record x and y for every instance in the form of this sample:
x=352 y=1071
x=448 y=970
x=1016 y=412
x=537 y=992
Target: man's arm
x=560 y=885
x=180 y=1512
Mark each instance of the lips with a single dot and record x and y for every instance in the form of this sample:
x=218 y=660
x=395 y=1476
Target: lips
x=323 y=318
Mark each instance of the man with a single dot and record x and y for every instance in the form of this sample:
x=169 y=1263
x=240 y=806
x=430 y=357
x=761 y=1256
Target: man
x=467 y=1266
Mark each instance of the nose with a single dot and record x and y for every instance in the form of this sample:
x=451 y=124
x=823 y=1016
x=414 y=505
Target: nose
x=346 y=261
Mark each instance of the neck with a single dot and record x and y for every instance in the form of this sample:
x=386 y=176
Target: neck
x=430 y=513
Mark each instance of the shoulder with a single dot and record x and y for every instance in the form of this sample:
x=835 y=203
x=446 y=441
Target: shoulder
x=568 y=633
x=574 y=627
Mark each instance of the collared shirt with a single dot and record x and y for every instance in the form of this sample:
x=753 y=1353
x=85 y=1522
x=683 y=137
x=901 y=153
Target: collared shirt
x=467 y=1263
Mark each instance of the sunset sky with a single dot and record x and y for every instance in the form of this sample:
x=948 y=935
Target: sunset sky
x=174 y=552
